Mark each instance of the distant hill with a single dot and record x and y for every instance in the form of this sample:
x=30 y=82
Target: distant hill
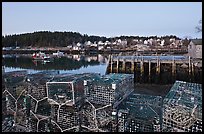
x=58 y=39
x=46 y=38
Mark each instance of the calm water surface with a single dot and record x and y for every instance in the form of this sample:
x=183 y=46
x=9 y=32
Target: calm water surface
x=66 y=64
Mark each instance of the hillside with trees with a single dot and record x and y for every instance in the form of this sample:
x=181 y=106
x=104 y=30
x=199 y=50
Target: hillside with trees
x=61 y=39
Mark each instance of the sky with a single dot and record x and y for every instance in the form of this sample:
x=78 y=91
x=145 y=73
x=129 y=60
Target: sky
x=107 y=19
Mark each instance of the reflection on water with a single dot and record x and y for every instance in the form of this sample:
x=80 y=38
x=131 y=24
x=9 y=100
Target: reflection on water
x=65 y=64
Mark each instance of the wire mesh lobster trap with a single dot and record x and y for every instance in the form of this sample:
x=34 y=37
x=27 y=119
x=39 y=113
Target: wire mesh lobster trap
x=140 y=113
x=183 y=108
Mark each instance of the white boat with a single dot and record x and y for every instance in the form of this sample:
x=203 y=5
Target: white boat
x=58 y=53
x=40 y=56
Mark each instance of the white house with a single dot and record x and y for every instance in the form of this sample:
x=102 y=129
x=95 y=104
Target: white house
x=79 y=44
x=119 y=41
x=88 y=43
x=158 y=40
x=124 y=43
x=100 y=47
x=94 y=45
x=172 y=39
x=114 y=43
x=135 y=40
x=142 y=47
x=145 y=42
x=107 y=43
x=69 y=47
x=100 y=43
x=76 y=48
x=150 y=41
x=162 y=42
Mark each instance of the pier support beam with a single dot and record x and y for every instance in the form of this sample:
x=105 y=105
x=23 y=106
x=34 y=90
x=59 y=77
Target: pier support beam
x=117 y=65
x=135 y=68
x=149 y=68
x=189 y=70
x=192 y=69
x=123 y=66
x=158 y=66
x=132 y=66
x=142 y=67
x=159 y=69
x=111 y=63
x=149 y=77
x=173 y=67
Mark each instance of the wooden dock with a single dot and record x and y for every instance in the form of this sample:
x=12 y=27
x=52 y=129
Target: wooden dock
x=151 y=65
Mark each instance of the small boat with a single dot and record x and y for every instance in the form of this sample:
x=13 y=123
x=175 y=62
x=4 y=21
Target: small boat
x=58 y=53
x=40 y=56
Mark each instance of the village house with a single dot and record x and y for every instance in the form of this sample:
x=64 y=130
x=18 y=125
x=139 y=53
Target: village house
x=162 y=42
x=100 y=45
x=93 y=47
x=145 y=42
x=68 y=47
x=142 y=47
x=77 y=47
x=107 y=43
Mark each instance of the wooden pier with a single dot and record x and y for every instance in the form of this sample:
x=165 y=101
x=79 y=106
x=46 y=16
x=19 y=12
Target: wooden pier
x=151 y=65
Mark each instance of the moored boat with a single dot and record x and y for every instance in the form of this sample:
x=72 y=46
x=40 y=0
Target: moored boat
x=40 y=56
x=58 y=53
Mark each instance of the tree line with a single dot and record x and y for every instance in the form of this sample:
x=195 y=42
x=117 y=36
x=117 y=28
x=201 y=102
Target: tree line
x=61 y=39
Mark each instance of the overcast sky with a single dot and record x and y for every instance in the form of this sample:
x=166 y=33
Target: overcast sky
x=103 y=18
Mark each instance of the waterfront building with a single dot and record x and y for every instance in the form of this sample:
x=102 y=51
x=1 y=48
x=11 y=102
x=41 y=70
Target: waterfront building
x=195 y=48
x=182 y=108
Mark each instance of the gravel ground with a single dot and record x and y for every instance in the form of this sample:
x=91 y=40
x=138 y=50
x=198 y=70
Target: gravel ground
x=153 y=89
